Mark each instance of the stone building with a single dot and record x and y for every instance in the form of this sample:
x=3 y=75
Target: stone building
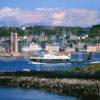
x=14 y=42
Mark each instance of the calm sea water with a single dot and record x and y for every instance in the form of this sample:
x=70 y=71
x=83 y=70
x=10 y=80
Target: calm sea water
x=30 y=94
x=15 y=64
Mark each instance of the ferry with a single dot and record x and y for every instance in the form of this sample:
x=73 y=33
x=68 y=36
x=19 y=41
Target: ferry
x=50 y=58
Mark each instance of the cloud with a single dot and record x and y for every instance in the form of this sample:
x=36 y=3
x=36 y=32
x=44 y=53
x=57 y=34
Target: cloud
x=49 y=16
x=21 y=16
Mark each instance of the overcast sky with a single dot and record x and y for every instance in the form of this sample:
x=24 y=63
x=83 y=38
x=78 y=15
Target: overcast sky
x=50 y=12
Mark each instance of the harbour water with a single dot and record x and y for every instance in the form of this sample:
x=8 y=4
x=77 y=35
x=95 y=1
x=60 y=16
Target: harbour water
x=16 y=64
x=30 y=94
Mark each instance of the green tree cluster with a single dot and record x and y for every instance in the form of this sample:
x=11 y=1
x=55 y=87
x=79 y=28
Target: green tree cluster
x=94 y=31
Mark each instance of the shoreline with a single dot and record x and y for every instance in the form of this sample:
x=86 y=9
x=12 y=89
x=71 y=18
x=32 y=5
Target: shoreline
x=66 y=86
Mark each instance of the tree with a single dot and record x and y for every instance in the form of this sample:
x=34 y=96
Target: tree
x=94 y=31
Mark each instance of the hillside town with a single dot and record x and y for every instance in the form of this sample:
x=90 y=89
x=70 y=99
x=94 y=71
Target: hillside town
x=15 y=45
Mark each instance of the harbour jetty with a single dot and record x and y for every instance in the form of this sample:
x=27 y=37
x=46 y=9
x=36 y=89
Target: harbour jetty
x=77 y=87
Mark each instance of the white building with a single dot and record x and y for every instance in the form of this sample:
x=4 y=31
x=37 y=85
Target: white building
x=86 y=36
x=74 y=37
x=25 y=49
x=2 y=49
x=33 y=47
x=52 y=48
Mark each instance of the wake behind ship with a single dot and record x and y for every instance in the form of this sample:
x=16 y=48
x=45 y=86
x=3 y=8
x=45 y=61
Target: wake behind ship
x=45 y=57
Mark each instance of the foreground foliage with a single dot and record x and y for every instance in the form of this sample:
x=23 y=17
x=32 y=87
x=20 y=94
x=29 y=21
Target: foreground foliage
x=91 y=72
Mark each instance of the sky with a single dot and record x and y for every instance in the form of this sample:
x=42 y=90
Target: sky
x=82 y=13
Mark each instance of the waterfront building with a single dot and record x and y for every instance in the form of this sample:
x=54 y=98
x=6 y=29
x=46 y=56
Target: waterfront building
x=68 y=49
x=14 y=43
x=32 y=47
x=3 y=39
x=52 y=48
x=2 y=49
x=94 y=48
x=91 y=48
x=80 y=45
x=98 y=47
x=25 y=49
